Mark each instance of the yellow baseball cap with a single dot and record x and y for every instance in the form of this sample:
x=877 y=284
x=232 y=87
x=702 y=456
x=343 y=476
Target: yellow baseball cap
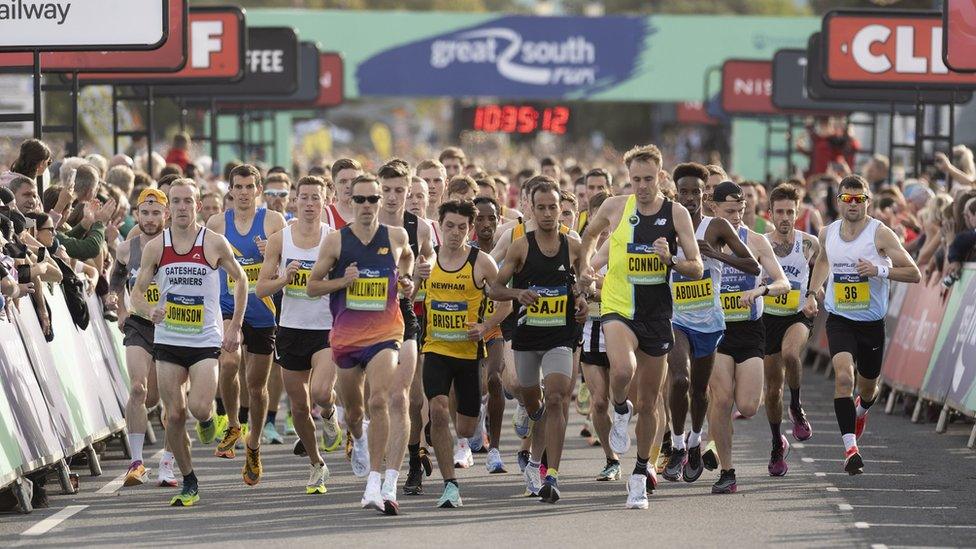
x=151 y=193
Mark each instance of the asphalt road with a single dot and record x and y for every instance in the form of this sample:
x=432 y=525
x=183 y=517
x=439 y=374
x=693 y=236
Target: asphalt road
x=919 y=489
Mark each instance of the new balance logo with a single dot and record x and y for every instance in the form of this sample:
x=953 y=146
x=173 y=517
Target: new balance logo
x=661 y=221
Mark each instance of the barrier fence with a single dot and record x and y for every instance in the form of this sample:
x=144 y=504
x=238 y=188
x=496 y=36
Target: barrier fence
x=930 y=349
x=58 y=398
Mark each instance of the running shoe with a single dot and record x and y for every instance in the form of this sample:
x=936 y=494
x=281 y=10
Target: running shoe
x=861 y=421
x=225 y=448
x=463 y=458
x=494 y=463
x=477 y=441
x=360 y=456
x=853 y=463
x=349 y=445
x=710 y=457
x=206 y=434
x=299 y=449
x=637 y=491
x=802 y=430
x=220 y=426
x=662 y=460
x=777 y=458
x=186 y=498
x=425 y=461
x=289 y=425
x=317 y=476
x=390 y=505
x=165 y=477
x=414 y=486
x=583 y=400
x=693 y=465
x=620 y=431
x=523 y=460
x=373 y=497
x=251 y=473
x=585 y=431
x=610 y=472
x=331 y=437
x=451 y=498
x=270 y=435
x=136 y=475
x=725 y=483
x=549 y=493
x=244 y=432
x=676 y=464
x=533 y=481
x=521 y=422
x=651 y=482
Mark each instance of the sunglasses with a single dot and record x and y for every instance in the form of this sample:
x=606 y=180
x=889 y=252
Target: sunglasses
x=278 y=193
x=360 y=199
x=855 y=198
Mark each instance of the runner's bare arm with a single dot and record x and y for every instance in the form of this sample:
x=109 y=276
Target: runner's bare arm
x=487 y=272
x=500 y=250
x=400 y=241
x=216 y=223
x=268 y=280
x=318 y=283
x=719 y=234
x=595 y=226
x=226 y=261
x=821 y=269
x=811 y=247
x=499 y=290
x=151 y=255
x=767 y=258
x=602 y=257
x=691 y=266
x=903 y=268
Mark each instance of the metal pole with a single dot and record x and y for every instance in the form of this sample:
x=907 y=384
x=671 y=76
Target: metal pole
x=37 y=95
x=214 y=144
x=150 y=127
x=181 y=103
x=952 y=122
x=115 y=121
x=75 y=145
x=919 y=131
x=274 y=139
x=769 y=140
x=242 y=135
x=789 y=146
x=891 y=142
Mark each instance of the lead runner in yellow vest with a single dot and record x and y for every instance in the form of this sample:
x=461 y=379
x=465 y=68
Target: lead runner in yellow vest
x=636 y=301
x=453 y=343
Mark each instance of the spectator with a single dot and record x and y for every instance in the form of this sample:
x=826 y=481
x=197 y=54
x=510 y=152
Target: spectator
x=179 y=153
x=25 y=194
x=121 y=160
x=170 y=169
x=963 y=246
x=99 y=163
x=84 y=241
x=33 y=160
x=122 y=178
x=875 y=171
x=961 y=178
x=68 y=164
x=86 y=183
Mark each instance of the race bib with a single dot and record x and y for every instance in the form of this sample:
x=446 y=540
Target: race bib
x=421 y=292
x=644 y=267
x=448 y=320
x=184 y=314
x=298 y=285
x=593 y=310
x=369 y=292
x=549 y=309
x=152 y=294
x=852 y=292
x=786 y=304
x=692 y=295
x=252 y=268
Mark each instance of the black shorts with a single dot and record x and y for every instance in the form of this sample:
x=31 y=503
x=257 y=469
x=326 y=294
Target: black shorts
x=410 y=325
x=295 y=347
x=595 y=359
x=865 y=340
x=743 y=340
x=183 y=356
x=258 y=341
x=138 y=332
x=776 y=327
x=508 y=325
x=654 y=337
x=441 y=372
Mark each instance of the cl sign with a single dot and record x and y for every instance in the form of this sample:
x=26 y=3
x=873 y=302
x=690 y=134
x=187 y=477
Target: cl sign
x=902 y=49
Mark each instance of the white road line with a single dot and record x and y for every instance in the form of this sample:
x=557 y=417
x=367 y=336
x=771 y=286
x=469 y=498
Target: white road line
x=115 y=484
x=878 y=525
x=814 y=460
x=879 y=546
x=819 y=474
x=844 y=507
x=801 y=445
x=47 y=524
x=861 y=525
x=836 y=489
x=897 y=507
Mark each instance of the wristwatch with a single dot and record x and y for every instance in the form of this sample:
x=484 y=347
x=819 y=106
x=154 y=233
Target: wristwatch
x=672 y=261
x=765 y=290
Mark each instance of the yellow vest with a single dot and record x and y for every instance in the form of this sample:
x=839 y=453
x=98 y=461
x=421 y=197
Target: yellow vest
x=453 y=301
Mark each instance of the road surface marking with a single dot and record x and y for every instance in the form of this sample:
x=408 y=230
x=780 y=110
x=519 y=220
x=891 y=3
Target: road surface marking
x=895 y=525
x=814 y=460
x=836 y=489
x=819 y=474
x=801 y=445
x=898 y=507
x=47 y=524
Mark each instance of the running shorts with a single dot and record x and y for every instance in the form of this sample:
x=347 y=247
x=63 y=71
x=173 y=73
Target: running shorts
x=442 y=372
x=654 y=336
x=138 y=332
x=743 y=340
x=776 y=327
x=184 y=356
x=701 y=344
x=864 y=340
x=295 y=347
x=532 y=366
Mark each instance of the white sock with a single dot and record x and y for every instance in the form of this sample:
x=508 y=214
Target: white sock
x=678 y=440
x=694 y=439
x=850 y=441
x=136 y=440
x=340 y=415
x=167 y=456
x=392 y=476
x=374 y=479
x=462 y=443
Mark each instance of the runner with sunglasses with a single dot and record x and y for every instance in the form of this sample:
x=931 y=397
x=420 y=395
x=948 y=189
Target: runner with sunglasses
x=860 y=257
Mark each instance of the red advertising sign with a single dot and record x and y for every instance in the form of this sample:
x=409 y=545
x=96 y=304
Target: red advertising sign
x=216 y=49
x=913 y=341
x=959 y=37
x=888 y=49
x=171 y=56
x=693 y=112
x=331 y=91
x=747 y=88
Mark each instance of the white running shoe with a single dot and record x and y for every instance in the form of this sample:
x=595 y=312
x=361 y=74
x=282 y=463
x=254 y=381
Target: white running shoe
x=494 y=463
x=637 y=492
x=520 y=421
x=463 y=458
x=360 y=456
x=373 y=496
x=477 y=441
x=318 y=474
x=620 y=430
x=165 y=476
x=533 y=481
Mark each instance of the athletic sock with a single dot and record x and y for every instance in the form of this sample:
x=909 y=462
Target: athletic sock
x=414 y=450
x=242 y=414
x=621 y=407
x=206 y=422
x=450 y=481
x=552 y=473
x=190 y=480
x=777 y=437
x=271 y=416
x=694 y=439
x=863 y=407
x=846 y=414
x=613 y=461
x=795 y=404
x=221 y=411
x=641 y=467
x=678 y=440
x=167 y=456
x=850 y=440
x=136 y=440
x=392 y=476
x=534 y=464
x=538 y=413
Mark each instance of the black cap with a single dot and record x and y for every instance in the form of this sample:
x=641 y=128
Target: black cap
x=727 y=191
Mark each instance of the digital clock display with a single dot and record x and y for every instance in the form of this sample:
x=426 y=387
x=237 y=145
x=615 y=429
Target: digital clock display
x=519 y=119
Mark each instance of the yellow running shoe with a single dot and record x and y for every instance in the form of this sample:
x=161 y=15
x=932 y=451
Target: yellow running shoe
x=331 y=438
x=137 y=475
x=583 y=400
x=187 y=497
x=220 y=424
x=348 y=445
x=244 y=431
x=316 y=479
x=251 y=473
x=225 y=449
x=206 y=434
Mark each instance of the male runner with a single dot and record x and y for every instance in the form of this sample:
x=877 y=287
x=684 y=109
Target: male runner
x=698 y=322
x=277 y=188
x=737 y=377
x=151 y=215
x=344 y=171
x=542 y=265
x=453 y=342
x=366 y=263
x=859 y=257
x=435 y=174
x=394 y=179
x=189 y=335
x=303 y=329
x=787 y=320
x=453 y=159
x=595 y=181
x=247 y=228
x=716 y=175
x=636 y=302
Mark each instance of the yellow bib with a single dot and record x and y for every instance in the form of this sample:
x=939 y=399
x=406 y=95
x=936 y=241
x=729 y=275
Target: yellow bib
x=549 y=309
x=852 y=292
x=369 y=292
x=184 y=314
x=298 y=285
x=251 y=270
